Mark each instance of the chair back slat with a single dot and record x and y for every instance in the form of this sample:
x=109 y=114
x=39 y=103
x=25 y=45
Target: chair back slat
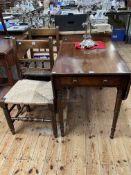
x=45 y=32
x=40 y=60
x=37 y=69
x=32 y=44
x=33 y=60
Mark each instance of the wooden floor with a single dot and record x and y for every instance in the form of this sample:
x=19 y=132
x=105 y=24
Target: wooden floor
x=87 y=148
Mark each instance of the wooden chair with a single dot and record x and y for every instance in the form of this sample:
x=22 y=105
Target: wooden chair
x=25 y=93
x=43 y=33
x=36 y=65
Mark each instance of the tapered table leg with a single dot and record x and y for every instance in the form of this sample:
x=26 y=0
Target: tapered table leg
x=61 y=122
x=116 y=112
x=60 y=111
x=55 y=101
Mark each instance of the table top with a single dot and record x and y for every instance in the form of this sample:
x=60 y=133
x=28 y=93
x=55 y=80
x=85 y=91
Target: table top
x=98 y=61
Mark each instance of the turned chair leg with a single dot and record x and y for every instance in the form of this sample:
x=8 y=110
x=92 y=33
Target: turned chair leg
x=8 y=118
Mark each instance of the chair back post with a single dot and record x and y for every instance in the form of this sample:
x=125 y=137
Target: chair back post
x=57 y=38
x=51 y=52
x=16 y=59
x=29 y=34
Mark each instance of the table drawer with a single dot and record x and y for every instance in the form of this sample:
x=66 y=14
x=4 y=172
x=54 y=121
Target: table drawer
x=89 y=81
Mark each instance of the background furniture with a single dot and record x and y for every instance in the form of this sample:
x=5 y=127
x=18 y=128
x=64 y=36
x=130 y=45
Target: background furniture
x=35 y=58
x=25 y=93
x=123 y=13
x=7 y=58
x=90 y=68
x=2 y=5
x=70 y=22
x=129 y=3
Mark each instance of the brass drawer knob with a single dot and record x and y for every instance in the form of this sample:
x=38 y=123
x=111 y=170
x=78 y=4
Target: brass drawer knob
x=75 y=81
x=105 y=81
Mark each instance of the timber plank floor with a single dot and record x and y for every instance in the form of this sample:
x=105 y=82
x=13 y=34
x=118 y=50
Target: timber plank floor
x=85 y=150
